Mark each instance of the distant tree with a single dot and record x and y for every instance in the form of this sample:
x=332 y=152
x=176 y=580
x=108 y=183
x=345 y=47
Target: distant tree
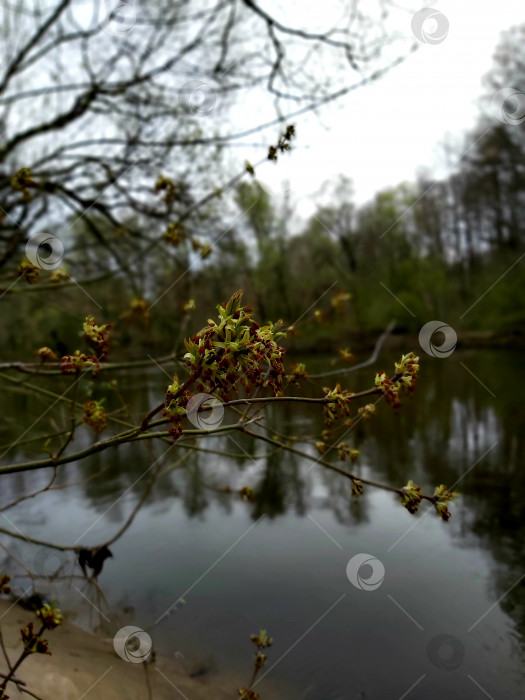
x=118 y=111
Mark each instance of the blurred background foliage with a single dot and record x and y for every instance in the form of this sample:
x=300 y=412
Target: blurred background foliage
x=427 y=249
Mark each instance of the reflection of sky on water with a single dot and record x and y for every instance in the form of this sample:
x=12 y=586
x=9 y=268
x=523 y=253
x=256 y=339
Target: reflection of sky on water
x=287 y=572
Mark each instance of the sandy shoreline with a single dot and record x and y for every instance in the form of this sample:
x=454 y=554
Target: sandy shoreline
x=84 y=665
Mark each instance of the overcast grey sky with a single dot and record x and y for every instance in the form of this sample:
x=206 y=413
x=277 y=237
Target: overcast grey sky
x=382 y=134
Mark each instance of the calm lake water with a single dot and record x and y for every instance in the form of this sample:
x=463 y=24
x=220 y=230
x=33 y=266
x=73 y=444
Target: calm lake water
x=448 y=620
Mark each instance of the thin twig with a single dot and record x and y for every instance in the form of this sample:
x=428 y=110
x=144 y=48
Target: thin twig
x=373 y=357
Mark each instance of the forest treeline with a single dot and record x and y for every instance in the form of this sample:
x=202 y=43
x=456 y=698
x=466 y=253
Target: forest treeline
x=448 y=249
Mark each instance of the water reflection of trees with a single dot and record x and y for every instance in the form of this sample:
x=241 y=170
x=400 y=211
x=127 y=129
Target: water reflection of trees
x=458 y=423
x=450 y=425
